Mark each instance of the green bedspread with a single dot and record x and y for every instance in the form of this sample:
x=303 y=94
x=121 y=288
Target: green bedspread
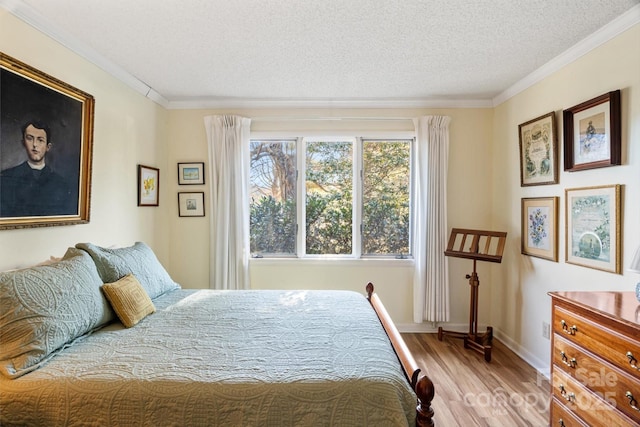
x=228 y=358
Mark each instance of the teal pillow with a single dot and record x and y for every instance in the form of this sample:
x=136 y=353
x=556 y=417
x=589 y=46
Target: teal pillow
x=115 y=263
x=45 y=307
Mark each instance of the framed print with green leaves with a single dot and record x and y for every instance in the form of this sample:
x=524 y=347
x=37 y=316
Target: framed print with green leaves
x=593 y=227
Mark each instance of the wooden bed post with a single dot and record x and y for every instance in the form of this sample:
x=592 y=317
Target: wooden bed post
x=421 y=384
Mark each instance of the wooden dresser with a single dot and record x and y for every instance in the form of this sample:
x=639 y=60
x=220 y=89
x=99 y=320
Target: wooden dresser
x=595 y=359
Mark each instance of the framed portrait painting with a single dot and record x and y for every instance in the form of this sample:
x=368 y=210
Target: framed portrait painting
x=593 y=227
x=592 y=133
x=148 y=186
x=190 y=173
x=191 y=204
x=46 y=140
x=540 y=227
x=538 y=151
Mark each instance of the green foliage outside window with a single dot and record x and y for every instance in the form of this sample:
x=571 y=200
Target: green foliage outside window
x=329 y=198
x=386 y=205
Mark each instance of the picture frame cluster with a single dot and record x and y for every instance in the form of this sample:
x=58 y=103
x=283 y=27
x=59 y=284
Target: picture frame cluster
x=591 y=139
x=191 y=203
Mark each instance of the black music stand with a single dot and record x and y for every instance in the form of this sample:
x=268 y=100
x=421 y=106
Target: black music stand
x=491 y=251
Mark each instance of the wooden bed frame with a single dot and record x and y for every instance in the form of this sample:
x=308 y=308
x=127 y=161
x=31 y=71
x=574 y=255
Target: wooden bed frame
x=421 y=384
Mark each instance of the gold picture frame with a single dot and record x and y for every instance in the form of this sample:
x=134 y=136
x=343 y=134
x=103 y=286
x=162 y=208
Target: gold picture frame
x=538 y=151
x=593 y=237
x=46 y=144
x=539 y=227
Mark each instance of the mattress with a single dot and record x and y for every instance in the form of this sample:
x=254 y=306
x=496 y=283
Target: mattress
x=228 y=358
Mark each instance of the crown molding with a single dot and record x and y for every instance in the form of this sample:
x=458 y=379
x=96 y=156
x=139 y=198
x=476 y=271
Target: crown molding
x=603 y=35
x=225 y=103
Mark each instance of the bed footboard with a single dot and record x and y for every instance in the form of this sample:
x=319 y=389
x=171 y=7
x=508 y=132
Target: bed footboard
x=421 y=384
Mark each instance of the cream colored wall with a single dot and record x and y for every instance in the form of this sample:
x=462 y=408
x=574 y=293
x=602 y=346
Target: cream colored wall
x=129 y=129
x=470 y=206
x=519 y=299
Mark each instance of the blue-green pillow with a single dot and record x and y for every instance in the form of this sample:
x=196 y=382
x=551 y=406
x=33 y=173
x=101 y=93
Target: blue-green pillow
x=115 y=263
x=45 y=307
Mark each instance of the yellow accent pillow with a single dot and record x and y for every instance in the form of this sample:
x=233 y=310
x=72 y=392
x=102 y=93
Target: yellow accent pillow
x=129 y=300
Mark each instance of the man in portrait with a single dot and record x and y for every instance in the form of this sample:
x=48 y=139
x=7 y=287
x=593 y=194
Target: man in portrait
x=33 y=188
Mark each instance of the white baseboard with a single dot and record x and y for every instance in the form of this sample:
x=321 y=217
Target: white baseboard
x=541 y=366
x=431 y=328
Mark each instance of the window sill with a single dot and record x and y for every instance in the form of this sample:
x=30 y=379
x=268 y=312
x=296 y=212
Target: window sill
x=335 y=261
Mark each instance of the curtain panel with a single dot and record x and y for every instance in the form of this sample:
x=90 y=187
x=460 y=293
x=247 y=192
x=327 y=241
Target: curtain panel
x=431 y=275
x=228 y=142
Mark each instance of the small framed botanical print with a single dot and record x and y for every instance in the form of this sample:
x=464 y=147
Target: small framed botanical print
x=148 y=185
x=540 y=227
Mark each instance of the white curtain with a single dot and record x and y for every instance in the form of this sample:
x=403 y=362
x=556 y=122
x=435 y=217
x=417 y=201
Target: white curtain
x=431 y=276
x=228 y=140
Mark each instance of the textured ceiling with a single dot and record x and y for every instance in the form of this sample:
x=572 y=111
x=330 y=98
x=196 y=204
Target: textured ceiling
x=188 y=50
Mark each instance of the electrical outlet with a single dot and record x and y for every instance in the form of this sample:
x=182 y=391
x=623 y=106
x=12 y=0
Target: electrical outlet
x=546 y=330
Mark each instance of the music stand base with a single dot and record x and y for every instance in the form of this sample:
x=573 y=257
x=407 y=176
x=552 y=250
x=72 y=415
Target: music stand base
x=482 y=343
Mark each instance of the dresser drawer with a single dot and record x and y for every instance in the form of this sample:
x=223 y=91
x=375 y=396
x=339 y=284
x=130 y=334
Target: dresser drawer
x=561 y=417
x=585 y=404
x=620 y=350
x=602 y=378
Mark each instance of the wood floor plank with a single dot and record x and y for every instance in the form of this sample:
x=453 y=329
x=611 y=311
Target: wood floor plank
x=471 y=392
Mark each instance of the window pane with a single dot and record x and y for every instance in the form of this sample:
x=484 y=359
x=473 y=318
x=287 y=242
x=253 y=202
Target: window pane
x=273 y=197
x=385 y=197
x=329 y=197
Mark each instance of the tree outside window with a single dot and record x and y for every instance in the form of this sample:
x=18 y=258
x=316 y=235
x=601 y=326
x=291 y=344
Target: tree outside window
x=327 y=200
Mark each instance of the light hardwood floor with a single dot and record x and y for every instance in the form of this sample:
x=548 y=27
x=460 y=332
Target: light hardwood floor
x=471 y=392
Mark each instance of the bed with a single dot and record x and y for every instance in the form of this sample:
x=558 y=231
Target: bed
x=201 y=357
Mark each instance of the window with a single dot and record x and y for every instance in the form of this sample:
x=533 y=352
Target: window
x=386 y=178
x=272 y=197
x=330 y=196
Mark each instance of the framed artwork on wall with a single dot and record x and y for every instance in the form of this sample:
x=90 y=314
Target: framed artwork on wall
x=592 y=133
x=540 y=227
x=593 y=227
x=191 y=204
x=46 y=143
x=538 y=151
x=191 y=173
x=148 y=186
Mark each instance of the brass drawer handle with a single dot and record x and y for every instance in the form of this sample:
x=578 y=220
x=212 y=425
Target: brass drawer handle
x=632 y=401
x=567 y=395
x=570 y=363
x=571 y=330
x=632 y=360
